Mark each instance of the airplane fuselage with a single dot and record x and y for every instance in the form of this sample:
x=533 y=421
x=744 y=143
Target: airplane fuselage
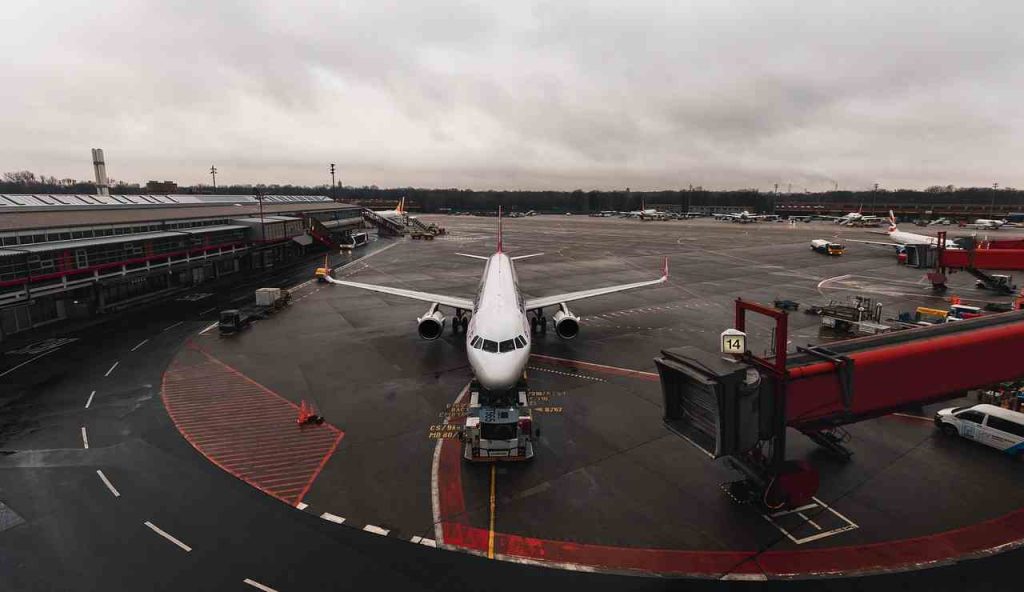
x=911 y=238
x=498 y=336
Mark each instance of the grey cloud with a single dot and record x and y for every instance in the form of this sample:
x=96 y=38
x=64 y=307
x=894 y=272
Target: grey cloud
x=558 y=94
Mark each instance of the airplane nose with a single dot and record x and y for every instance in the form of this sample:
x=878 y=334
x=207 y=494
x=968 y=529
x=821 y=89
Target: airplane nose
x=497 y=372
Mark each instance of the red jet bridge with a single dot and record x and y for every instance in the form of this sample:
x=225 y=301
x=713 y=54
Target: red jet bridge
x=1001 y=255
x=739 y=407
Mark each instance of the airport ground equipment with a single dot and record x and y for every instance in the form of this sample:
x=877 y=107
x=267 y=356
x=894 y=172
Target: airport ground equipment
x=786 y=304
x=499 y=425
x=268 y=301
x=827 y=248
x=861 y=316
x=739 y=407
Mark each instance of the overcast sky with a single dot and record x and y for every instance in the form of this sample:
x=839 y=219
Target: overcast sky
x=519 y=94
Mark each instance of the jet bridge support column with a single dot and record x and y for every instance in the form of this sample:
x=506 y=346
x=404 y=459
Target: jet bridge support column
x=735 y=407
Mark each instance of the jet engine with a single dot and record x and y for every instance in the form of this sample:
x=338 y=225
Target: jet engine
x=567 y=325
x=431 y=325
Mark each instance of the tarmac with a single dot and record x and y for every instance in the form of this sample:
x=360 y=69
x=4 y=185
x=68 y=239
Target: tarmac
x=196 y=433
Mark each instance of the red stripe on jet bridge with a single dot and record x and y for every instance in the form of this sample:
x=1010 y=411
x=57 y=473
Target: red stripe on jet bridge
x=599 y=368
x=261 y=444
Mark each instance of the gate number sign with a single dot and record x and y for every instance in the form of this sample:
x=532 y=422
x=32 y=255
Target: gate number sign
x=734 y=342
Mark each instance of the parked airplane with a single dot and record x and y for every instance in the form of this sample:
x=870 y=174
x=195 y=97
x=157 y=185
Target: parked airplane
x=498 y=334
x=745 y=216
x=398 y=212
x=643 y=211
x=899 y=238
x=987 y=224
x=851 y=218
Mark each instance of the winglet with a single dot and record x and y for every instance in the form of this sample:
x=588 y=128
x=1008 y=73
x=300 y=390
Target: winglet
x=499 y=229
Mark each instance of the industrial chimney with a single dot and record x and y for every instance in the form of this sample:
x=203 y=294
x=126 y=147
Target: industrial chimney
x=102 y=187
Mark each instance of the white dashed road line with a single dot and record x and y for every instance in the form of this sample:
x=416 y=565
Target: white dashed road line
x=376 y=530
x=111 y=368
x=141 y=343
x=173 y=326
x=568 y=374
x=212 y=325
x=207 y=311
x=258 y=585
x=157 y=530
x=107 y=482
x=301 y=506
x=89 y=401
x=332 y=518
x=85 y=439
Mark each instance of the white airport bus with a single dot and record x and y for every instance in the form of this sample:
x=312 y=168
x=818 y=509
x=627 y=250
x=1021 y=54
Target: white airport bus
x=993 y=426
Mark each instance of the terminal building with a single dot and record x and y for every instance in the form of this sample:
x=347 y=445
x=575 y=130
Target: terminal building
x=68 y=256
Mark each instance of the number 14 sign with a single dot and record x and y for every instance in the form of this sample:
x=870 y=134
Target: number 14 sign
x=734 y=342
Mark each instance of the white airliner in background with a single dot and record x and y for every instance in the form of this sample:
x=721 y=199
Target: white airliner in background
x=988 y=224
x=900 y=238
x=498 y=334
x=398 y=212
x=854 y=217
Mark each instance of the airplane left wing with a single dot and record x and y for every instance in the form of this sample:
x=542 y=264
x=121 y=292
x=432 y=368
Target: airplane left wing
x=535 y=303
x=452 y=301
x=866 y=242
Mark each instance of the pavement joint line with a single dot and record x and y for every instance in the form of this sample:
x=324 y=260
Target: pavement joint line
x=141 y=343
x=209 y=310
x=211 y=326
x=332 y=518
x=89 y=400
x=85 y=439
x=107 y=482
x=376 y=530
x=167 y=536
x=112 y=368
x=258 y=585
x=173 y=326
x=46 y=353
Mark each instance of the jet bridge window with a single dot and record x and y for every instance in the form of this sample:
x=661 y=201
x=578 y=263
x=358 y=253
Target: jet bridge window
x=508 y=345
x=520 y=342
x=490 y=346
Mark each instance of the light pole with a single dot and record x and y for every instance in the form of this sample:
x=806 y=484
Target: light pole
x=263 y=226
x=992 y=210
x=333 y=185
x=213 y=173
x=874 y=196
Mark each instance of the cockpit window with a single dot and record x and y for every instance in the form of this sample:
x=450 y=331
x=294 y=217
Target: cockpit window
x=476 y=342
x=490 y=346
x=507 y=346
x=520 y=342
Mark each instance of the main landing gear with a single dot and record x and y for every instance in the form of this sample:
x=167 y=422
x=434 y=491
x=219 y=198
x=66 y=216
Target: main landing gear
x=539 y=322
x=460 y=322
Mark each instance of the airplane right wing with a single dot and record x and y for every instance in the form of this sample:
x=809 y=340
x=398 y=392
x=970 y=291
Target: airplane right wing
x=535 y=303
x=452 y=301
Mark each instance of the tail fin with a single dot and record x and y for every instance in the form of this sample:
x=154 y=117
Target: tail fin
x=401 y=206
x=499 y=229
x=892 y=221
